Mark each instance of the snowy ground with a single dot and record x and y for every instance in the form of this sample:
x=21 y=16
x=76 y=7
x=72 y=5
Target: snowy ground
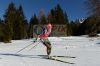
x=86 y=50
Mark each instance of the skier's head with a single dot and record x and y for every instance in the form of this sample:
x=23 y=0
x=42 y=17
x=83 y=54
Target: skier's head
x=49 y=26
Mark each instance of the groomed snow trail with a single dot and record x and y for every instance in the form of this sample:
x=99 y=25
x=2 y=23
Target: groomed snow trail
x=86 y=50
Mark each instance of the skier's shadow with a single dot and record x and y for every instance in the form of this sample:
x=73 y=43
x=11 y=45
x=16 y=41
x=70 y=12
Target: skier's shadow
x=22 y=55
x=98 y=43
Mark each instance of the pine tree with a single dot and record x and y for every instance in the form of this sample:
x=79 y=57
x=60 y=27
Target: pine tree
x=33 y=21
x=53 y=19
x=23 y=23
x=68 y=28
x=59 y=15
x=9 y=19
x=94 y=14
x=42 y=17
x=1 y=30
x=93 y=7
x=20 y=25
x=66 y=18
x=43 y=20
x=90 y=25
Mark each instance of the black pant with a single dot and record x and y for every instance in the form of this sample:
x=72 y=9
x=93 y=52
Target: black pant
x=47 y=43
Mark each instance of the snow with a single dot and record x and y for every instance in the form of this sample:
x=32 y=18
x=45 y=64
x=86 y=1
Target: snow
x=85 y=49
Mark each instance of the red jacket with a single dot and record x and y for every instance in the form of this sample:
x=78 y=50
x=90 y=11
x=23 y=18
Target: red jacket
x=46 y=32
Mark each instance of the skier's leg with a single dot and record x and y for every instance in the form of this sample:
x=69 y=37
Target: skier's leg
x=48 y=46
x=49 y=49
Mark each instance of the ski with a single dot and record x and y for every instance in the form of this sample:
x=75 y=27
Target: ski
x=64 y=56
x=58 y=56
x=55 y=59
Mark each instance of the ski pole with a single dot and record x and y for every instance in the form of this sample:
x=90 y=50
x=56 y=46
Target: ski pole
x=34 y=46
x=24 y=48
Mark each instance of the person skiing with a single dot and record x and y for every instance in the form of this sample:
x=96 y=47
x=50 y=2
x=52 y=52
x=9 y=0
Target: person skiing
x=44 y=38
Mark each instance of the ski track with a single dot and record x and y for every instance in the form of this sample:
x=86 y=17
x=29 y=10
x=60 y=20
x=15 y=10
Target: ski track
x=85 y=49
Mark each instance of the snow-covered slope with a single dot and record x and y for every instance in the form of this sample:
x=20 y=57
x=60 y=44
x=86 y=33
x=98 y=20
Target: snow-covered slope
x=86 y=50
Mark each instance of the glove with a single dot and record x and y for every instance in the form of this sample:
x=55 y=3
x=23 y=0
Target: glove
x=35 y=40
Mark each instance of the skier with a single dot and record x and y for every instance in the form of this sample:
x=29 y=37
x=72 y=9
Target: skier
x=44 y=38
